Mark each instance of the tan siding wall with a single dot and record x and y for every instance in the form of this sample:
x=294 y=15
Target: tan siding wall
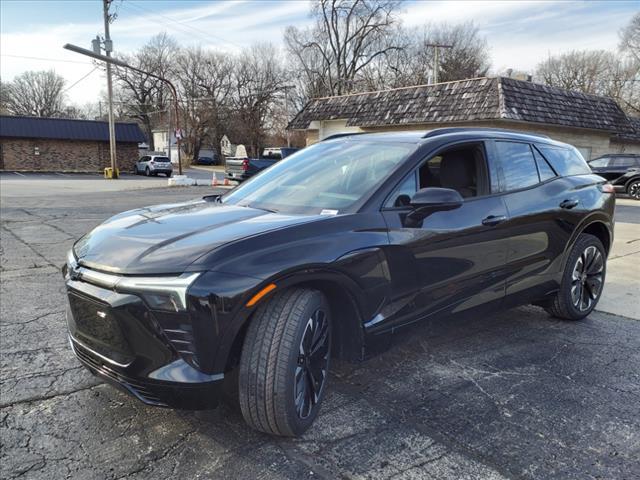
x=622 y=147
x=63 y=155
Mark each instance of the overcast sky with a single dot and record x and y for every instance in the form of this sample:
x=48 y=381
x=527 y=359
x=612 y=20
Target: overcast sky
x=520 y=33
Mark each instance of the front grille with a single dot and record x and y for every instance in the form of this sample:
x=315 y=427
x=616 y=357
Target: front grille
x=137 y=387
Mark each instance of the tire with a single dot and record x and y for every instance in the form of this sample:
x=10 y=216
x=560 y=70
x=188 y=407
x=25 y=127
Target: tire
x=275 y=377
x=580 y=288
x=169 y=174
x=147 y=172
x=633 y=190
x=135 y=170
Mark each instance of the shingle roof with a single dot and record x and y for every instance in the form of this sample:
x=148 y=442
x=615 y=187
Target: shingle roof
x=66 y=129
x=468 y=100
x=630 y=136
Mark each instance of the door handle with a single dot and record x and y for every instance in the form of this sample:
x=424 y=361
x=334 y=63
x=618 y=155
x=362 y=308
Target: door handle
x=492 y=220
x=569 y=203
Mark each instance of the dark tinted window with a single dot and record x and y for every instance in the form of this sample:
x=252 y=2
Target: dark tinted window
x=623 y=162
x=565 y=161
x=544 y=169
x=161 y=159
x=518 y=165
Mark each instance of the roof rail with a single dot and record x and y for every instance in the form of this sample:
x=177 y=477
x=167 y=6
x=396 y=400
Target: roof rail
x=443 y=131
x=344 y=134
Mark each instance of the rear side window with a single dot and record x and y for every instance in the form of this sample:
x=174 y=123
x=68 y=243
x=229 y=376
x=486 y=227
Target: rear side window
x=565 y=161
x=518 y=165
x=623 y=162
x=544 y=169
x=600 y=162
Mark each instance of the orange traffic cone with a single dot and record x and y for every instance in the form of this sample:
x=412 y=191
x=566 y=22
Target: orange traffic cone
x=214 y=180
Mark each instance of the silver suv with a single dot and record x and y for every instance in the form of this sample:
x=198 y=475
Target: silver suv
x=153 y=165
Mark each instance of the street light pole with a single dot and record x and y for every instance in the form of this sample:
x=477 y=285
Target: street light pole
x=120 y=63
x=108 y=47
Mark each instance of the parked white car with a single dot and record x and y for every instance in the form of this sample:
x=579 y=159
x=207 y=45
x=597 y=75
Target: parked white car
x=153 y=165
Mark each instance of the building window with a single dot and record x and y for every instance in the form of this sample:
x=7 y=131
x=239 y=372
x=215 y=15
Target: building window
x=585 y=152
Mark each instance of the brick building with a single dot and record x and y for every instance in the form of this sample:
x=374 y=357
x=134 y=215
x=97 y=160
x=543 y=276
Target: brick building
x=595 y=125
x=63 y=145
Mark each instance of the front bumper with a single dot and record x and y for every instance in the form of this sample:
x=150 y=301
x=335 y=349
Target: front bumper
x=119 y=339
x=174 y=394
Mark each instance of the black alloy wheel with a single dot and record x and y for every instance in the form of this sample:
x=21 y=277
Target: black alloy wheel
x=634 y=190
x=313 y=361
x=285 y=362
x=587 y=278
x=582 y=280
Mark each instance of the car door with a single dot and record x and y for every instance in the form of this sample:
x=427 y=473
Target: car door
x=453 y=260
x=542 y=209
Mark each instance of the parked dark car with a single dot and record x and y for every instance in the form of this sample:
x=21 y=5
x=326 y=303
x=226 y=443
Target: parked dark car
x=242 y=168
x=622 y=170
x=326 y=254
x=213 y=160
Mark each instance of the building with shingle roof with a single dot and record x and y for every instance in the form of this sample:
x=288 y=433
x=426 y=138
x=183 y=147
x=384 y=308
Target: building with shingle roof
x=595 y=125
x=61 y=144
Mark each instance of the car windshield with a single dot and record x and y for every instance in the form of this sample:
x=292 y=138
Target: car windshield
x=329 y=176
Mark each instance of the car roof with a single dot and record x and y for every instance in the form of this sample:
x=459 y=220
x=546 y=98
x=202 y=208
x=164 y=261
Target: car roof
x=609 y=155
x=450 y=133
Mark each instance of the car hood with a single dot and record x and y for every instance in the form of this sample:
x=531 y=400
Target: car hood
x=166 y=239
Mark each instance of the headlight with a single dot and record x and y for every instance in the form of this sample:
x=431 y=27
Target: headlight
x=165 y=293
x=162 y=293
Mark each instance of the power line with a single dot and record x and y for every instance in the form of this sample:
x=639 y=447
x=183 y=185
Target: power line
x=185 y=27
x=80 y=79
x=45 y=59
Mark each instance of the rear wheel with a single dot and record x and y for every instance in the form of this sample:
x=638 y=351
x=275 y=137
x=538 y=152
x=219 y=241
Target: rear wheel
x=634 y=189
x=582 y=281
x=285 y=361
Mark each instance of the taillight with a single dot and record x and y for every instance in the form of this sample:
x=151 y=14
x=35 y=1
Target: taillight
x=245 y=164
x=607 y=188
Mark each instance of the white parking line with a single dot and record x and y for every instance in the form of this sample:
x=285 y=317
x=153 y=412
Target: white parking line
x=17 y=173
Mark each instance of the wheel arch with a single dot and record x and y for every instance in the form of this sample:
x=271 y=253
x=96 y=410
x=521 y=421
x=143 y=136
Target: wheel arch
x=345 y=299
x=629 y=181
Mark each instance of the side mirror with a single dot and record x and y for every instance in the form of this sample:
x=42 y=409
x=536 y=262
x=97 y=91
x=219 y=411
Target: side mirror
x=427 y=201
x=437 y=199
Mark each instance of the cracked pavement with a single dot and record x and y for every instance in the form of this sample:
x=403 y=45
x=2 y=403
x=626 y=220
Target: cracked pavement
x=512 y=395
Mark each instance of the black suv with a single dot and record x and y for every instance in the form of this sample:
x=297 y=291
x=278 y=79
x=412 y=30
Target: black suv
x=325 y=255
x=622 y=170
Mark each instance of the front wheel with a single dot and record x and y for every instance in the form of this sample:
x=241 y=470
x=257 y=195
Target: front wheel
x=285 y=362
x=582 y=280
x=634 y=189
x=147 y=172
x=169 y=174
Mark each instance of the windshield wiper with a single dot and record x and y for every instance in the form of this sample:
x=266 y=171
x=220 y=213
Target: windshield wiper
x=270 y=210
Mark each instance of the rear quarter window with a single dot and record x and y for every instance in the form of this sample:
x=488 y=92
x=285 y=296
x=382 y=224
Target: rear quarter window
x=565 y=161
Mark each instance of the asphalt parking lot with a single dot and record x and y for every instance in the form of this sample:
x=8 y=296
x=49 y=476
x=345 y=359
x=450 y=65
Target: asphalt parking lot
x=513 y=395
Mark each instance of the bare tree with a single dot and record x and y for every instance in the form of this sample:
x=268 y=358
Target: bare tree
x=347 y=36
x=630 y=37
x=596 y=72
x=35 y=93
x=258 y=81
x=141 y=96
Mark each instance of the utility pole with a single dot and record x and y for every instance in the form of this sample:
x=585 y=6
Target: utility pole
x=108 y=48
x=286 y=88
x=436 y=58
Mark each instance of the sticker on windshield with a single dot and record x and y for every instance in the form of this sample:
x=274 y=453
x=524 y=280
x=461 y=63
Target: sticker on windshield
x=327 y=211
